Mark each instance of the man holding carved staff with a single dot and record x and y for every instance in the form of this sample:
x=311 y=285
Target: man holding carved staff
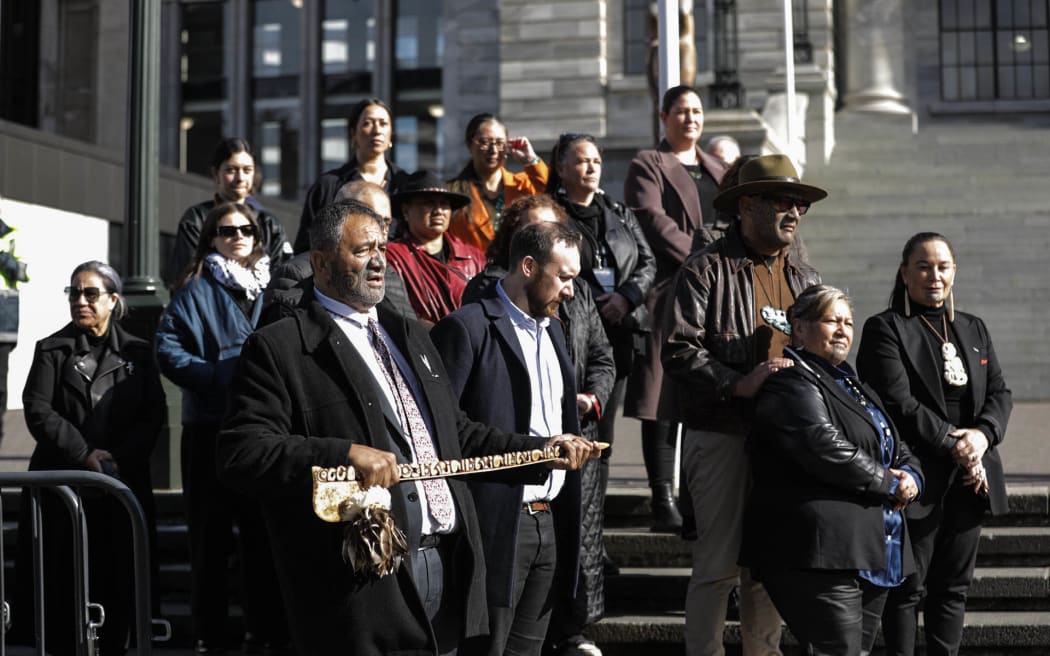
x=347 y=381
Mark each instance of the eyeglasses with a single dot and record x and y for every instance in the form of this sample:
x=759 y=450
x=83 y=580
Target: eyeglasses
x=229 y=232
x=785 y=203
x=90 y=294
x=498 y=145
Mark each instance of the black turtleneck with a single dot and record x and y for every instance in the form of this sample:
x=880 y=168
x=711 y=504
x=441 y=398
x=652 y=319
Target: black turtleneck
x=589 y=219
x=958 y=400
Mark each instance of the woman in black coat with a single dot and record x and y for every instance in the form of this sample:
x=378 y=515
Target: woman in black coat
x=617 y=263
x=93 y=401
x=937 y=370
x=823 y=529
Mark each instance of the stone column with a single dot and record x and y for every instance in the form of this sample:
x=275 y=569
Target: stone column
x=875 y=59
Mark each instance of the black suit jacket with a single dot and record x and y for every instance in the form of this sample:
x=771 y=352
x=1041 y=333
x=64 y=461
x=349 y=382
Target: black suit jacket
x=896 y=360
x=488 y=373
x=819 y=482
x=301 y=397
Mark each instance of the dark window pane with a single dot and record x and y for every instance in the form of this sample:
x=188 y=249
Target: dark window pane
x=949 y=49
x=1024 y=82
x=967 y=54
x=276 y=45
x=983 y=14
x=198 y=133
x=986 y=83
x=1039 y=13
x=203 y=45
x=950 y=83
x=1040 y=48
x=967 y=84
x=1022 y=15
x=348 y=37
x=419 y=41
x=335 y=143
x=949 y=21
x=1004 y=15
x=276 y=142
x=1007 y=88
x=985 y=48
x=1004 y=46
x=965 y=14
x=1041 y=81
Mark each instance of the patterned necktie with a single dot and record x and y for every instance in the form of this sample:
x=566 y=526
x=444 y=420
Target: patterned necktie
x=439 y=497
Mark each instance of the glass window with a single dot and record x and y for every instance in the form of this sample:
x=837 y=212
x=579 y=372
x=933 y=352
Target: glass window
x=988 y=55
x=348 y=60
x=276 y=108
x=418 y=110
x=203 y=60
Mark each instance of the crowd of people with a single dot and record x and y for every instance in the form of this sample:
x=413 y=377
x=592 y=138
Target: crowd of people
x=413 y=320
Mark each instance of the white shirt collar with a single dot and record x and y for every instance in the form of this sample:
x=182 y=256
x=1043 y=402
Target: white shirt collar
x=517 y=315
x=344 y=311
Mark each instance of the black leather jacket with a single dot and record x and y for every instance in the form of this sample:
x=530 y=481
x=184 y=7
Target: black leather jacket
x=819 y=482
x=710 y=324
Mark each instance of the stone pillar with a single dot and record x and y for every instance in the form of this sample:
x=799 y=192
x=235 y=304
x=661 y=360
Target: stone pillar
x=875 y=59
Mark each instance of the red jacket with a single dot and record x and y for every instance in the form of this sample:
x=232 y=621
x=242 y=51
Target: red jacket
x=435 y=288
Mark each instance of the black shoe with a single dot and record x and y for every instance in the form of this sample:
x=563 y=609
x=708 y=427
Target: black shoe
x=666 y=518
x=205 y=647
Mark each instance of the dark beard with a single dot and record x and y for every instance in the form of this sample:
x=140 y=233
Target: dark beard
x=538 y=309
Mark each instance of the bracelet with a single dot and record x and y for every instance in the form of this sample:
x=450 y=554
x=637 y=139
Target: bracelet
x=534 y=160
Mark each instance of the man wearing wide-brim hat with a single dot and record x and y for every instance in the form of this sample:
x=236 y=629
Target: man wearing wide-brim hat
x=720 y=348
x=434 y=265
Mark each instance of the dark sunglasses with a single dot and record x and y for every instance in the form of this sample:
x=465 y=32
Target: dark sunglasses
x=90 y=294
x=228 y=232
x=785 y=203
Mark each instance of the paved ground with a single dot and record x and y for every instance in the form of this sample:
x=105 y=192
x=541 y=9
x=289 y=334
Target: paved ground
x=1025 y=452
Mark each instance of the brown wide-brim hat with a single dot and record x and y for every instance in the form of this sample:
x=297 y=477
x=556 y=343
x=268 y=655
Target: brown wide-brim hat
x=425 y=183
x=768 y=174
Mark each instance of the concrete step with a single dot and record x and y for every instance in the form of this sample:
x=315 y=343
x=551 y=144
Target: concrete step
x=1000 y=546
x=984 y=634
x=1029 y=504
x=654 y=590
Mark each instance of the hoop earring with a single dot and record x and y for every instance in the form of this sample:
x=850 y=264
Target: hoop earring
x=907 y=304
x=951 y=306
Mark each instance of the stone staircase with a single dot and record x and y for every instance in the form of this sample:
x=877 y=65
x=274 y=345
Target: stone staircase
x=980 y=181
x=1008 y=611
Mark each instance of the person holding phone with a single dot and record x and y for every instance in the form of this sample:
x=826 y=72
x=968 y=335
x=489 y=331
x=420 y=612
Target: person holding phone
x=490 y=186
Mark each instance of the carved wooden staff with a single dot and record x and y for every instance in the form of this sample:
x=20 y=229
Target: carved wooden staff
x=373 y=544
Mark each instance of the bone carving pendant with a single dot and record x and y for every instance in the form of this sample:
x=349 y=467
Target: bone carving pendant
x=954 y=372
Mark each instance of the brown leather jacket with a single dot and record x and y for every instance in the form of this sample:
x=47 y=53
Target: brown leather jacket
x=709 y=325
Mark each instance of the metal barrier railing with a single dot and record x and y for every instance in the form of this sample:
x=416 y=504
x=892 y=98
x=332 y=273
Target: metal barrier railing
x=61 y=482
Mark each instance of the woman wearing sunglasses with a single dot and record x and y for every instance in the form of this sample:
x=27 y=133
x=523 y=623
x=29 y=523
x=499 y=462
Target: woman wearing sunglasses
x=198 y=343
x=492 y=187
x=93 y=401
x=233 y=170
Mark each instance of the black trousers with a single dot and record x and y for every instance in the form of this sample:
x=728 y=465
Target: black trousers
x=945 y=547
x=519 y=630
x=832 y=612
x=5 y=358
x=212 y=510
